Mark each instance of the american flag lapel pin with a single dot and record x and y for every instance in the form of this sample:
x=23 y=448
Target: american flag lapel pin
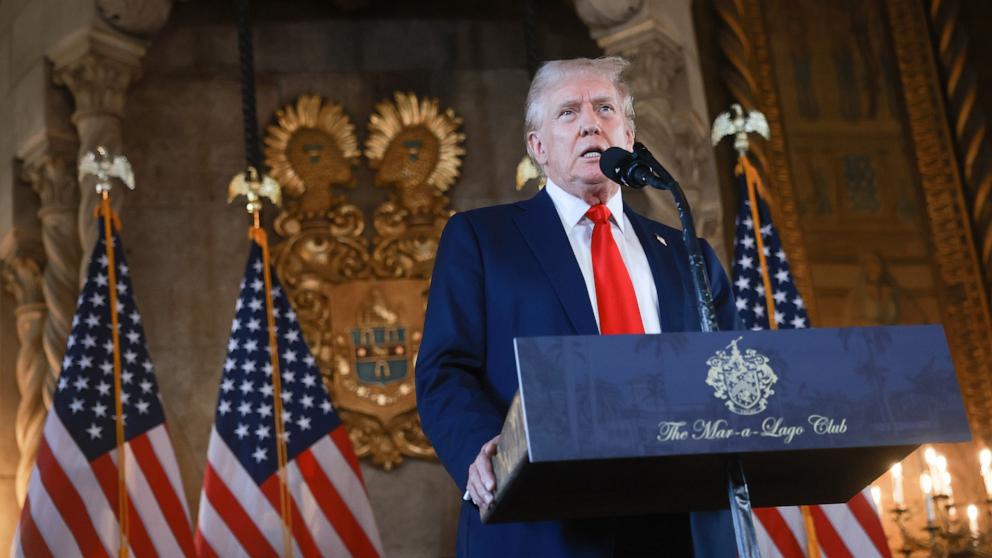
x=661 y=240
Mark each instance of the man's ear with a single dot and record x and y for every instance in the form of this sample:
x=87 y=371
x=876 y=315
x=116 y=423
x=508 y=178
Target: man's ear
x=537 y=148
x=629 y=136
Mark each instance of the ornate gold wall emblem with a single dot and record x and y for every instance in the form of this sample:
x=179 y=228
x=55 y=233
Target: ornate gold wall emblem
x=415 y=148
x=361 y=304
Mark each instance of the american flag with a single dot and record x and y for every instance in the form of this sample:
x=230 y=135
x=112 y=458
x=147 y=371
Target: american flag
x=840 y=530
x=72 y=504
x=240 y=501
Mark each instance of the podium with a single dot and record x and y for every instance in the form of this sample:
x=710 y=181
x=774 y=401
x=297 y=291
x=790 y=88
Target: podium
x=636 y=424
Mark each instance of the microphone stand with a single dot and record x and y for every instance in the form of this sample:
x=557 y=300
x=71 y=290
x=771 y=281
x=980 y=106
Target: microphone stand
x=737 y=489
x=697 y=264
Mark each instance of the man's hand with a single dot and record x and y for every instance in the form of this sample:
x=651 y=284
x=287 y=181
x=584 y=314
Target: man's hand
x=481 y=481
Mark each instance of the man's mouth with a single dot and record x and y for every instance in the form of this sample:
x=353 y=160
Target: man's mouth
x=592 y=153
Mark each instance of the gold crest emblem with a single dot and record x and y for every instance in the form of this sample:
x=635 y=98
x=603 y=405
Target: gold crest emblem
x=743 y=380
x=361 y=298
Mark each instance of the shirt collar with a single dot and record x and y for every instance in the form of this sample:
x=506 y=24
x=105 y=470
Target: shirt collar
x=571 y=209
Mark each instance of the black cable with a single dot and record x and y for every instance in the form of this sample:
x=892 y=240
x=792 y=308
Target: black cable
x=531 y=46
x=246 y=60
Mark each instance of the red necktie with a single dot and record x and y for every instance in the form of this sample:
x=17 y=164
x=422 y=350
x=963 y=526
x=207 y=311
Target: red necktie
x=618 y=312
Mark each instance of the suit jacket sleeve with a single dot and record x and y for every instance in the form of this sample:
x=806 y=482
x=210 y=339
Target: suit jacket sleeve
x=723 y=295
x=456 y=413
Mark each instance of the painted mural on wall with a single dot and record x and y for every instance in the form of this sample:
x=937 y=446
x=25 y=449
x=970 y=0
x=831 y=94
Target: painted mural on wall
x=361 y=293
x=848 y=144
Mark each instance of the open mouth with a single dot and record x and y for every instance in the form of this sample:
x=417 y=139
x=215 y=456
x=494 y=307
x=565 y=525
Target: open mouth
x=592 y=153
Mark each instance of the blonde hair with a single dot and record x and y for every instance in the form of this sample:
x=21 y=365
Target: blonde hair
x=554 y=72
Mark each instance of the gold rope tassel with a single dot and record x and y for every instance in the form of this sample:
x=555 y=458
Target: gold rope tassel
x=754 y=184
x=258 y=235
x=110 y=222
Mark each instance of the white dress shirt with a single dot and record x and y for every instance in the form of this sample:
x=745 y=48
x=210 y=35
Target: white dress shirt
x=578 y=228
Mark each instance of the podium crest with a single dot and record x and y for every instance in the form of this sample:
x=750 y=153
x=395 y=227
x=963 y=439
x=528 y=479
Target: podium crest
x=743 y=380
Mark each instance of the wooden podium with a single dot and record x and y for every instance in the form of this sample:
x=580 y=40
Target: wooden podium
x=635 y=424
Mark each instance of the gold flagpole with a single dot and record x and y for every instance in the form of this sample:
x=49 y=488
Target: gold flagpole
x=110 y=218
x=736 y=123
x=101 y=165
x=253 y=187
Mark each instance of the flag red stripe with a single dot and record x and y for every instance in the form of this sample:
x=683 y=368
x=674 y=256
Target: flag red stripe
x=828 y=537
x=203 y=548
x=870 y=522
x=66 y=499
x=334 y=507
x=341 y=439
x=238 y=521
x=168 y=501
x=32 y=543
x=300 y=532
x=106 y=474
x=779 y=532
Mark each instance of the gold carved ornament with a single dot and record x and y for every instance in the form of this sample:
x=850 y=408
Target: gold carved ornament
x=361 y=303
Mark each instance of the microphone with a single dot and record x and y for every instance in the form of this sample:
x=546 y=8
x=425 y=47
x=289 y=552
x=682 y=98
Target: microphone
x=635 y=170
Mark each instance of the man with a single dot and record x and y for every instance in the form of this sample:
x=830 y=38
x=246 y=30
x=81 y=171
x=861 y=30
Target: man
x=572 y=260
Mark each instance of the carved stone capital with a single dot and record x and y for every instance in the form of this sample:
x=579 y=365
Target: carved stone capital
x=137 y=17
x=21 y=262
x=22 y=278
x=51 y=174
x=97 y=66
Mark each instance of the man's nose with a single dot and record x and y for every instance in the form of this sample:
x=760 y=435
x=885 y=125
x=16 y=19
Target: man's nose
x=589 y=127
x=588 y=123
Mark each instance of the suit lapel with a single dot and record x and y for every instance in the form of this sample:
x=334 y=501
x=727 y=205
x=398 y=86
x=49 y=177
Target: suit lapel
x=665 y=269
x=541 y=228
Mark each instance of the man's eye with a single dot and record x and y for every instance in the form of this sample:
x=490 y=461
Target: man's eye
x=566 y=112
x=607 y=108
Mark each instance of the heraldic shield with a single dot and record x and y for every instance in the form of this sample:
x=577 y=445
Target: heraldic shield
x=743 y=380
x=360 y=293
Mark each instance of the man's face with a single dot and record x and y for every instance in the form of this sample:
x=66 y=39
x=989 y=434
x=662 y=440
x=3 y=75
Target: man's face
x=583 y=117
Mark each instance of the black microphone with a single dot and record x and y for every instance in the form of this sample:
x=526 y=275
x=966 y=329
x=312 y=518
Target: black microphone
x=625 y=168
x=635 y=170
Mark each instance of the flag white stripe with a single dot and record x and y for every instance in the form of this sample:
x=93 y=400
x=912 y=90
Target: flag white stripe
x=246 y=492
x=215 y=531
x=81 y=476
x=15 y=548
x=793 y=517
x=339 y=472
x=146 y=505
x=162 y=445
x=850 y=530
x=324 y=534
x=48 y=520
x=765 y=543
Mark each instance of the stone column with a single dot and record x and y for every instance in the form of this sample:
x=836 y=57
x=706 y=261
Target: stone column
x=657 y=37
x=97 y=66
x=51 y=171
x=20 y=274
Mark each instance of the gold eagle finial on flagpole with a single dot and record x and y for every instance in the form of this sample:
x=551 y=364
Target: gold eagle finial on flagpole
x=253 y=187
x=103 y=166
x=735 y=122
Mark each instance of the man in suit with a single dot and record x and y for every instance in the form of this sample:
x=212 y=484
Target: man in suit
x=572 y=260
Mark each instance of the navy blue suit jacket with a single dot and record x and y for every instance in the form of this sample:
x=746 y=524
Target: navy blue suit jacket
x=509 y=271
